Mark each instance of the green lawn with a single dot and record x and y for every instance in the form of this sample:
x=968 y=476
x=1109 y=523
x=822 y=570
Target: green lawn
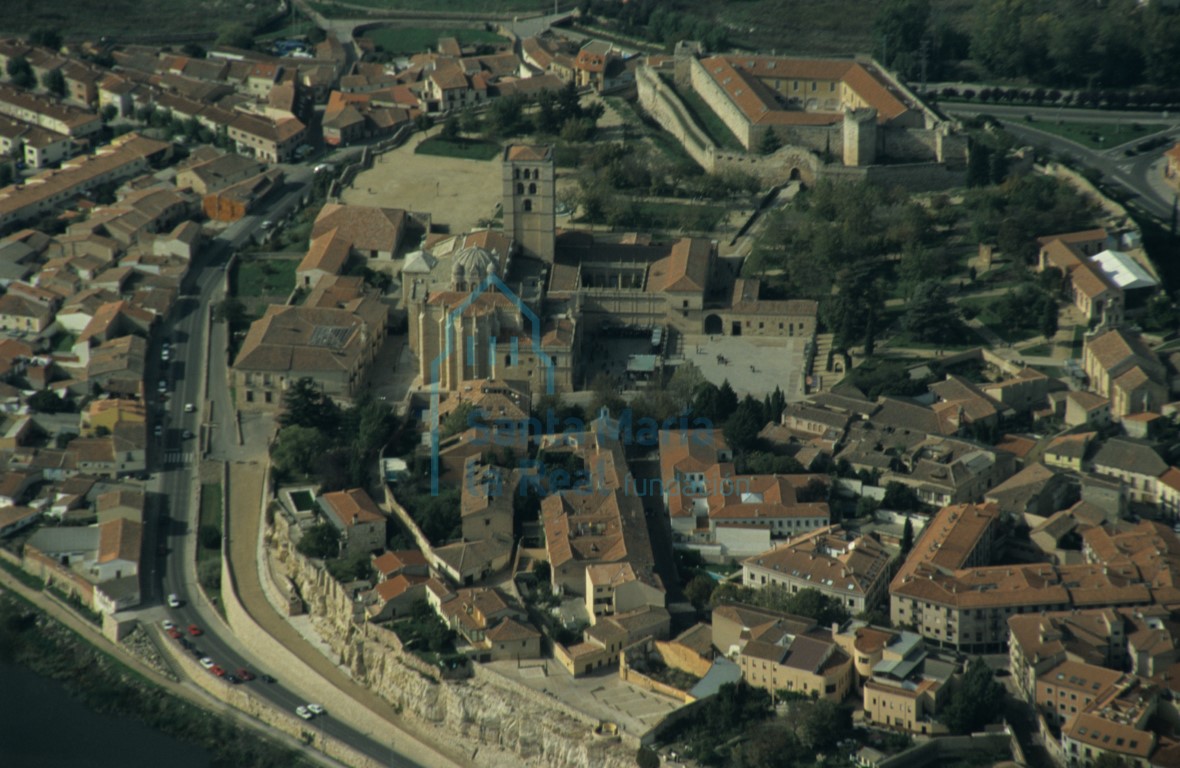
x=456 y=6
x=464 y=149
x=692 y=216
x=210 y=514
x=985 y=309
x=422 y=39
x=126 y=20
x=265 y=277
x=1098 y=135
x=28 y=579
x=705 y=118
x=209 y=558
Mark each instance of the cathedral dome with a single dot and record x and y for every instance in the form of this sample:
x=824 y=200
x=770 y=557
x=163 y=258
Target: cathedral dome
x=473 y=264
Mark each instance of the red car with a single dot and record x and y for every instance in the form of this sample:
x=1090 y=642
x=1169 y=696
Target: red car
x=174 y=633
x=245 y=674
x=194 y=630
x=217 y=670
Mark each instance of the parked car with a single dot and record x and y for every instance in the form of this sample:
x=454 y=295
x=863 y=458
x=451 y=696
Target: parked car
x=189 y=407
x=232 y=679
x=162 y=387
x=268 y=679
x=304 y=713
x=245 y=674
x=159 y=430
x=188 y=434
x=207 y=662
x=175 y=634
x=194 y=630
x=167 y=624
x=173 y=601
x=217 y=670
x=315 y=709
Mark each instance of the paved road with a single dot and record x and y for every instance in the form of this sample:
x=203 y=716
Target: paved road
x=1139 y=175
x=177 y=459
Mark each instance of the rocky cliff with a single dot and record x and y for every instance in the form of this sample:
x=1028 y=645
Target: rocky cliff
x=500 y=722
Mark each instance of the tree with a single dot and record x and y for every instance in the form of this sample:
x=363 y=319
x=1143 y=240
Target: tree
x=299 y=450
x=816 y=605
x=820 y=724
x=193 y=51
x=236 y=36
x=230 y=310
x=54 y=82
x=457 y=420
x=450 y=129
x=306 y=405
x=1049 y=318
x=930 y=315
x=21 y=72
x=699 y=590
x=647 y=757
x=742 y=427
x=320 y=541
x=977 y=700
x=109 y=113
x=727 y=401
x=770 y=143
x=210 y=536
x=50 y=38
x=47 y=401
x=899 y=496
x=907 y=537
x=898 y=31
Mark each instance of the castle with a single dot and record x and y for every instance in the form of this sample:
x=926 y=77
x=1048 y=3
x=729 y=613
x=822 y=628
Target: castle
x=828 y=115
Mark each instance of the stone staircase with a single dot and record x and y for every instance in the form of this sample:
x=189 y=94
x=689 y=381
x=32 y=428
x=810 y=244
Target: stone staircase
x=821 y=376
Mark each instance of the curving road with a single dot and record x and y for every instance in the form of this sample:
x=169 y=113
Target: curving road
x=176 y=462
x=1139 y=174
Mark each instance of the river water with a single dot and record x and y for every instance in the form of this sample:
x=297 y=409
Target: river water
x=42 y=727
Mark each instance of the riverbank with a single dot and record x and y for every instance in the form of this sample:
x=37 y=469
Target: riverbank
x=31 y=639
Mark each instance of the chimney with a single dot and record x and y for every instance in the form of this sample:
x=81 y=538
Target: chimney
x=355 y=518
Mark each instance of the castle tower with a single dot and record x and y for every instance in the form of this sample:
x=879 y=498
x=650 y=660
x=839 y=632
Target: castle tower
x=860 y=136
x=529 y=198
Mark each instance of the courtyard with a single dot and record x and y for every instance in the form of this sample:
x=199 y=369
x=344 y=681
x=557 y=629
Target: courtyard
x=457 y=193
x=751 y=364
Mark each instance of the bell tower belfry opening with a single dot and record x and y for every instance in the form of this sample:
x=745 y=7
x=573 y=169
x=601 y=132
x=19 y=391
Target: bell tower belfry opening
x=529 y=198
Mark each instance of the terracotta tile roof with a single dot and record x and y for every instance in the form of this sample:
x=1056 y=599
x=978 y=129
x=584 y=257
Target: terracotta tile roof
x=1171 y=478
x=119 y=539
x=366 y=228
x=1091 y=281
x=328 y=253
x=527 y=153
x=1127 y=455
x=1116 y=347
x=398 y=585
x=684 y=270
x=392 y=562
x=828 y=556
x=510 y=630
x=303 y=339
x=352 y=507
x=1097 y=235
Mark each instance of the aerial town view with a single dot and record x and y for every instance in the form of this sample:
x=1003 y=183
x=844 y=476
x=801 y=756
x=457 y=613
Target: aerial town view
x=598 y=384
